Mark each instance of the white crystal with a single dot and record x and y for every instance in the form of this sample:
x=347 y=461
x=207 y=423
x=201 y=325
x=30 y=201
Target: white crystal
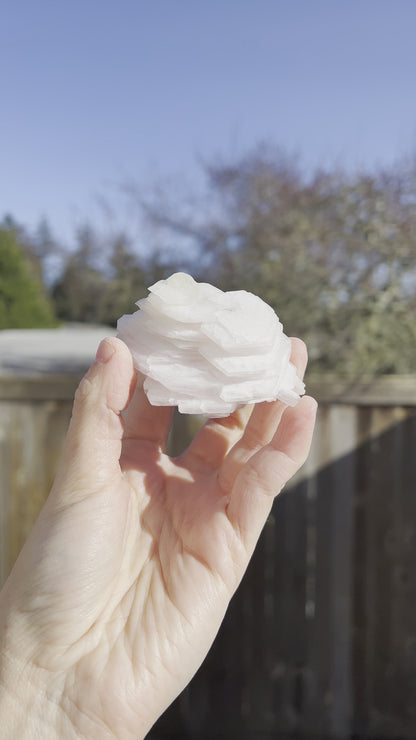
x=208 y=351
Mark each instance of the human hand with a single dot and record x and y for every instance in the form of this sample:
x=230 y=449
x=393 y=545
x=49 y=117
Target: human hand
x=122 y=585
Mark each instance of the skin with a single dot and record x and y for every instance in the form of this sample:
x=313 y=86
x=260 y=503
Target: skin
x=122 y=585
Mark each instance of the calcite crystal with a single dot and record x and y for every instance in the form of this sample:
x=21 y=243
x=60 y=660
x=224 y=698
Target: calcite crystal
x=208 y=351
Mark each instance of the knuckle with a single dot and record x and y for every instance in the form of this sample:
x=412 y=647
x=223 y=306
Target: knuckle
x=84 y=390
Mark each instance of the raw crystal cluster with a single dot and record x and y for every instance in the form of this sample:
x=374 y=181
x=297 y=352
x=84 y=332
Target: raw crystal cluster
x=208 y=351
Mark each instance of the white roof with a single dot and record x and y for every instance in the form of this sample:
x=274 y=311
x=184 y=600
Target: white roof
x=70 y=348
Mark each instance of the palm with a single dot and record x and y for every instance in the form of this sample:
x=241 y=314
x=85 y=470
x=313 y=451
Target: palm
x=173 y=580
x=146 y=563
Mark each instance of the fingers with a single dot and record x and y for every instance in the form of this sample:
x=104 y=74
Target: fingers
x=299 y=355
x=253 y=426
x=142 y=421
x=93 y=443
x=266 y=416
x=262 y=425
x=268 y=470
x=212 y=443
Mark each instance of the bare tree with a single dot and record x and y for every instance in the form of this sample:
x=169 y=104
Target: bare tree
x=333 y=254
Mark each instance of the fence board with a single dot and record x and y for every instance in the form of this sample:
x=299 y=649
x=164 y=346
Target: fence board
x=31 y=439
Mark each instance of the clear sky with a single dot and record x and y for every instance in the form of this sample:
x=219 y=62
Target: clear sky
x=93 y=92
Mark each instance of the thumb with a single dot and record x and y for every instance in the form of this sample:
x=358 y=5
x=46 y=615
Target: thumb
x=93 y=444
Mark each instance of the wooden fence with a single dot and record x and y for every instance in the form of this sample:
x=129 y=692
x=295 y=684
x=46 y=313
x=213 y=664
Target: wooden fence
x=320 y=639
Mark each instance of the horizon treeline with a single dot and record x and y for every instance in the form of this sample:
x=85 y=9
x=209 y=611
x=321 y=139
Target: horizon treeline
x=333 y=253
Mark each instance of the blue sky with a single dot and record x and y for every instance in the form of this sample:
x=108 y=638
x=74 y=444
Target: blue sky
x=95 y=92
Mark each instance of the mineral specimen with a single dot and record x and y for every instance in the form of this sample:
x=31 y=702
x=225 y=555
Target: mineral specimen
x=208 y=351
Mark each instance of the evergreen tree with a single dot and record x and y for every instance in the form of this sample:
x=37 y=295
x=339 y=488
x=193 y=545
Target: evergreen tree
x=23 y=301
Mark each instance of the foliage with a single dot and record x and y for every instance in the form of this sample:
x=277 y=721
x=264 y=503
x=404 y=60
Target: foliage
x=334 y=254
x=101 y=280
x=23 y=301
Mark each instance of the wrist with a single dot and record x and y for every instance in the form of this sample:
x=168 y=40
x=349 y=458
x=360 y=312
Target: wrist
x=24 y=715
x=33 y=701
x=29 y=702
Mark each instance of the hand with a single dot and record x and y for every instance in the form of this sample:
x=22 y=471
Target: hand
x=124 y=580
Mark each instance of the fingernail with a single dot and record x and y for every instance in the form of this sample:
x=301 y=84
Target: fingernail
x=105 y=351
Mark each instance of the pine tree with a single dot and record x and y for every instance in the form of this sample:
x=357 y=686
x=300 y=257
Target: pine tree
x=23 y=301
